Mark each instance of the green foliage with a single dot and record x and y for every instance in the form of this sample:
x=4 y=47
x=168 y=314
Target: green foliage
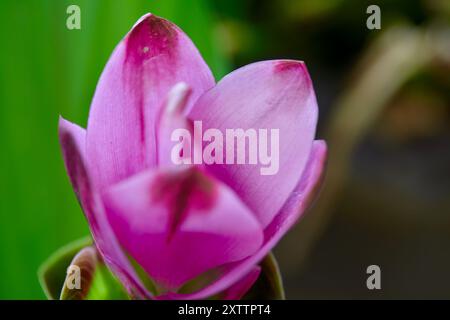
x=97 y=282
x=52 y=273
x=105 y=286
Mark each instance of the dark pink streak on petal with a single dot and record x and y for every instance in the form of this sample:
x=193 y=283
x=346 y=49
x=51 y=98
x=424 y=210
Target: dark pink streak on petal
x=179 y=227
x=296 y=205
x=183 y=192
x=152 y=38
x=153 y=57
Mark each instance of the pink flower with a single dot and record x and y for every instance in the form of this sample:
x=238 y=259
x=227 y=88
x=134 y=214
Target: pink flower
x=180 y=222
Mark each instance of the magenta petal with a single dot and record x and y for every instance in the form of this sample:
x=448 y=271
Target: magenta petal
x=178 y=224
x=300 y=199
x=72 y=139
x=172 y=120
x=240 y=288
x=265 y=95
x=235 y=292
x=151 y=59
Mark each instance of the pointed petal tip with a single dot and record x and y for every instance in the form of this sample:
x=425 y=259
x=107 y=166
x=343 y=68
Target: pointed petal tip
x=142 y=18
x=297 y=67
x=277 y=94
x=318 y=171
x=322 y=148
x=285 y=65
x=71 y=137
x=68 y=126
x=62 y=123
x=131 y=93
x=151 y=36
x=146 y=17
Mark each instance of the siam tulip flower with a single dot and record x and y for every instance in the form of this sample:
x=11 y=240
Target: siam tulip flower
x=205 y=227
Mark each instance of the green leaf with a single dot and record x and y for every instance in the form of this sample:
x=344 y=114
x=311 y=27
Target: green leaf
x=52 y=273
x=105 y=286
x=79 y=261
x=269 y=285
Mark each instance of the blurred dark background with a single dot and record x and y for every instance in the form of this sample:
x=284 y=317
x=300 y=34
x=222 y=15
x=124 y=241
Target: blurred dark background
x=384 y=103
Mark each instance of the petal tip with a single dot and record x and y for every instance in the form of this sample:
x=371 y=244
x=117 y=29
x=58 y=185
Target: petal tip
x=323 y=150
x=151 y=36
x=65 y=127
x=61 y=122
x=293 y=67
x=318 y=172
x=289 y=65
x=142 y=18
x=69 y=129
x=322 y=145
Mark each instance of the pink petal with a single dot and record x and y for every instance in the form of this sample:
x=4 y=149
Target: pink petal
x=235 y=292
x=178 y=224
x=240 y=288
x=301 y=198
x=171 y=121
x=265 y=95
x=151 y=59
x=72 y=139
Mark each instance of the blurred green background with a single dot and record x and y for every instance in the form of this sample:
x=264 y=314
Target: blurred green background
x=384 y=102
